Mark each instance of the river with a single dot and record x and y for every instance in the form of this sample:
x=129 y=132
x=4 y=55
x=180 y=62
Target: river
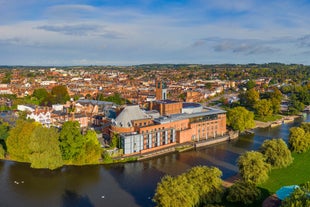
x=128 y=184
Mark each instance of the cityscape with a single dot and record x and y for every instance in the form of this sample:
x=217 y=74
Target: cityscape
x=154 y=103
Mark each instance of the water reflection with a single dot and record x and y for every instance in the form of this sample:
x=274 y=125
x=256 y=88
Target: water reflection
x=71 y=198
x=128 y=184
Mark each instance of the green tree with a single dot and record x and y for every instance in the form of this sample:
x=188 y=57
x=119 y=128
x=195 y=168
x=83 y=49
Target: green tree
x=253 y=167
x=243 y=192
x=299 y=198
x=239 y=118
x=250 y=84
x=299 y=140
x=91 y=151
x=263 y=108
x=19 y=139
x=60 y=94
x=4 y=132
x=207 y=183
x=2 y=152
x=200 y=185
x=44 y=148
x=115 y=141
x=277 y=153
x=71 y=140
x=249 y=98
x=176 y=191
x=40 y=94
x=305 y=126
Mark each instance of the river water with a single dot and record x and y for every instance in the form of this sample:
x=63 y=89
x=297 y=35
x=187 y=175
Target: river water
x=128 y=184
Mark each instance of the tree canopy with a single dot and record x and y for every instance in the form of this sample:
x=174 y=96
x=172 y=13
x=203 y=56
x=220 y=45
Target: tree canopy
x=44 y=148
x=239 y=118
x=299 y=140
x=71 y=140
x=243 y=192
x=277 y=153
x=200 y=185
x=60 y=94
x=253 y=167
x=19 y=139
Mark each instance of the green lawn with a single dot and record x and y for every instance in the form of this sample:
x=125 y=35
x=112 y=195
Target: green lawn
x=297 y=173
x=268 y=118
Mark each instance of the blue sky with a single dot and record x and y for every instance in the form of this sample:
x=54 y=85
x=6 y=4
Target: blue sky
x=128 y=32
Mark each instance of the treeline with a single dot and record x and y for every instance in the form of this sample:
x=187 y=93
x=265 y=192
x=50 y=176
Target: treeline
x=51 y=148
x=202 y=186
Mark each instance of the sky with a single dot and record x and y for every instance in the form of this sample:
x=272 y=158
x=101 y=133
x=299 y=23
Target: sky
x=131 y=32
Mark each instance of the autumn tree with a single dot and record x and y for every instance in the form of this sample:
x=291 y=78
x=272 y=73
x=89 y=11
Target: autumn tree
x=239 y=118
x=44 y=148
x=71 y=140
x=299 y=140
x=19 y=139
x=60 y=94
x=253 y=167
x=244 y=193
x=276 y=153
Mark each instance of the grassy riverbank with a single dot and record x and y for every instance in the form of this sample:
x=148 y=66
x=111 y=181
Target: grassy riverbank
x=297 y=173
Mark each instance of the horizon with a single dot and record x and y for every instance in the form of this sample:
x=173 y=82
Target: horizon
x=126 y=33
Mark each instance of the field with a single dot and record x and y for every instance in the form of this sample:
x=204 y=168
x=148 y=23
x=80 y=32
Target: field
x=297 y=173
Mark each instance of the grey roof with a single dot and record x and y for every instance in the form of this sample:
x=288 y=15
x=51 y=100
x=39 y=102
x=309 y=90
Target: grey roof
x=129 y=113
x=175 y=117
x=94 y=102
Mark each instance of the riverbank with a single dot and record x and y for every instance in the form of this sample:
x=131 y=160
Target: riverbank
x=284 y=119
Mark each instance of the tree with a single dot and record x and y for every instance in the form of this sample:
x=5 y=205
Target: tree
x=305 y=126
x=250 y=84
x=300 y=197
x=277 y=153
x=91 y=150
x=71 y=140
x=2 y=152
x=207 y=183
x=40 y=94
x=176 y=191
x=243 y=192
x=240 y=119
x=253 y=167
x=249 y=98
x=4 y=132
x=19 y=139
x=60 y=94
x=200 y=185
x=44 y=148
x=263 y=108
x=299 y=141
x=115 y=141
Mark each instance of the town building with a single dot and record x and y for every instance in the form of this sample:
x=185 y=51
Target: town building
x=178 y=123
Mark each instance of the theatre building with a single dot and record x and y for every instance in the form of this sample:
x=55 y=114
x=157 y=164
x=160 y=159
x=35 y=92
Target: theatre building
x=166 y=123
x=141 y=133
